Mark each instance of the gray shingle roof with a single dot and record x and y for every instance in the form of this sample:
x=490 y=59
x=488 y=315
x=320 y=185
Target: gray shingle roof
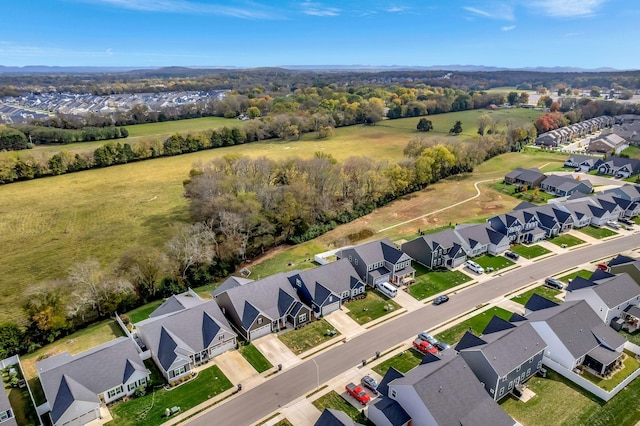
x=229 y=283
x=392 y=411
x=337 y=277
x=617 y=290
x=378 y=250
x=176 y=302
x=331 y=417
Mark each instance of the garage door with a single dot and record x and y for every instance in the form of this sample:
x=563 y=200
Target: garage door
x=223 y=348
x=327 y=309
x=83 y=419
x=259 y=332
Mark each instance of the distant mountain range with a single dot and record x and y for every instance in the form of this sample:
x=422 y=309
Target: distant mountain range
x=44 y=69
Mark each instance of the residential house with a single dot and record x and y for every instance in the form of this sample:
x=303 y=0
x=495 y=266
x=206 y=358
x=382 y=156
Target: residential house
x=331 y=417
x=442 y=249
x=442 y=391
x=481 y=238
x=520 y=226
x=607 y=143
x=619 y=166
x=7 y=417
x=182 y=339
x=76 y=386
x=623 y=264
x=608 y=297
x=575 y=335
x=379 y=261
x=525 y=177
x=629 y=131
x=177 y=302
x=582 y=162
x=628 y=208
x=563 y=186
x=325 y=288
x=260 y=307
x=504 y=357
x=627 y=192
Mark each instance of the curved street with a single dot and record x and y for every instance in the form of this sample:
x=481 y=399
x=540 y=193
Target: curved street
x=252 y=405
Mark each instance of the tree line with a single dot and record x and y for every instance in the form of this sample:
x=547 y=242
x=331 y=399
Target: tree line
x=571 y=110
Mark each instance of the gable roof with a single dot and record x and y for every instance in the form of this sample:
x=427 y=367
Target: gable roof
x=392 y=410
x=177 y=302
x=175 y=336
x=331 y=417
x=71 y=393
x=452 y=393
x=497 y=324
x=229 y=283
x=377 y=250
x=617 y=290
x=390 y=375
x=75 y=377
x=578 y=282
x=621 y=260
x=537 y=302
x=335 y=277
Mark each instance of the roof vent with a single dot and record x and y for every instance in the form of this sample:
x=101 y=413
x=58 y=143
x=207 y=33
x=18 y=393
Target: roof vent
x=440 y=390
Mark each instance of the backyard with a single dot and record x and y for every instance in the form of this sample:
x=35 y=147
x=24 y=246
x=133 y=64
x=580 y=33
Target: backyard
x=598 y=233
x=373 y=306
x=567 y=404
x=630 y=364
x=566 y=240
x=476 y=324
x=546 y=292
x=430 y=282
x=403 y=362
x=529 y=252
x=149 y=409
x=535 y=195
x=308 y=337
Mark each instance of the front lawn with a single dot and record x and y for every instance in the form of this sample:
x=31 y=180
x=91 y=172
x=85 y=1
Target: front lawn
x=373 y=306
x=529 y=252
x=255 y=358
x=579 y=273
x=598 y=233
x=308 y=337
x=403 y=362
x=495 y=262
x=430 y=282
x=546 y=292
x=567 y=240
x=476 y=324
x=335 y=401
x=149 y=409
x=559 y=401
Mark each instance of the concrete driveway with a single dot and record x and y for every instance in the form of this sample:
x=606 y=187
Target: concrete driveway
x=235 y=367
x=407 y=301
x=275 y=351
x=344 y=323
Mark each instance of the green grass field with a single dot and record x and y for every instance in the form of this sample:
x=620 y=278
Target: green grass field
x=598 y=233
x=632 y=152
x=308 y=337
x=335 y=401
x=530 y=252
x=373 y=306
x=429 y=282
x=546 y=292
x=567 y=239
x=477 y=323
x=255 y=358
x=403 y=362
x=495 y=262
x=581 y=273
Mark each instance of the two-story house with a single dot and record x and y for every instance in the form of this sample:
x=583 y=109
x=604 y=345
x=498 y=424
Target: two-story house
x=443 y=249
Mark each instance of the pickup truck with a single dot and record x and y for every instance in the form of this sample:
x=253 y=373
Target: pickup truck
x=424 y=346
x=358 y=393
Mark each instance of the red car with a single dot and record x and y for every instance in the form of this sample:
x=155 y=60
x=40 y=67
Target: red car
x=358 y=393
x=602 y=267
x=424 y=347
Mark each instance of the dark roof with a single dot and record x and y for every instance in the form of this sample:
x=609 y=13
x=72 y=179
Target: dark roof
x=537 y=302
x=392 y=411
x=390 y=375
x=469 y=340
x=599 y=275
x=331 y=417
x=620 y=260
x=335 y=277
x=70 y=392
x=517 y=318
x=229 y=283
x=497 y=324
x=177 y=302
x=376 y=251
x=429 y=357
x=578 y=282
x=524 y=205
x=633 y=310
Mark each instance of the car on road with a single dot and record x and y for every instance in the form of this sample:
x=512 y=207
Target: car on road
x=427 y=338
x=358 y=393
x=553 y=283
x=441 y=299
x=370 y=382
x=511 y=255
x=441 y=346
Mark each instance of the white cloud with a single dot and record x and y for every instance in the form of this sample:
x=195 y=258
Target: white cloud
x=249 y=11
x=317 y=9
x=502 y=11
x=567 y=8
x=395 y=9
x=509 y=28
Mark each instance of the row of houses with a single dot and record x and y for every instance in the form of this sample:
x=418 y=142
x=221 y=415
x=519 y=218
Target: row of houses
x=527 y=223
x=612 y=166
x=464 y=383
x=558 y=185
x=564 y=135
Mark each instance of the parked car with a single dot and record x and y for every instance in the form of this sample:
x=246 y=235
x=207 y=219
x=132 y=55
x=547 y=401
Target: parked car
x=612 y=224
x=370 y=382
x=553 y=283
x=427 y=338
x=424 y=347
x=474 y=266
x=602 y=267
x=626 y=221
x=440 y=299
x=511 y=255
x=441 y=346
x=358 y=393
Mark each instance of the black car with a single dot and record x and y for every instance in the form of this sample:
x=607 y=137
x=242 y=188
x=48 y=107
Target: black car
x=625 y=221
x=511 y=255
x=441 y=346
x=553 y=283
x=370 y=383
x=440 y=299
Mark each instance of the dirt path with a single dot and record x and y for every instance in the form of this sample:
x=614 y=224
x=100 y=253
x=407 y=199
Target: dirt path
x=478 y=193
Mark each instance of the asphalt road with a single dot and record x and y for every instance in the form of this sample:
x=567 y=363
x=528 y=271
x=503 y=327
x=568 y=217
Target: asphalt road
x=254 y=404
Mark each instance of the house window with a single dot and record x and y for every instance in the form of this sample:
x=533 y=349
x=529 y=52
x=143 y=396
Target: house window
x=530 y=360
x=345 y=294
x=528 y=372
x=298 y=282
x=221 y=337
x=501 y=391
x=350 y=259
x=510 y=385
x=5 y=415
x=180 y=370
x=518 y=369
x=393 y=393
x=130 y=387
x=113 y=392
x=260 y=320
x=302 y=318
x=356 y=261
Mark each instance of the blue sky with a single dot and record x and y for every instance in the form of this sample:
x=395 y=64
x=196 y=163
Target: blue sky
x=508 y=33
